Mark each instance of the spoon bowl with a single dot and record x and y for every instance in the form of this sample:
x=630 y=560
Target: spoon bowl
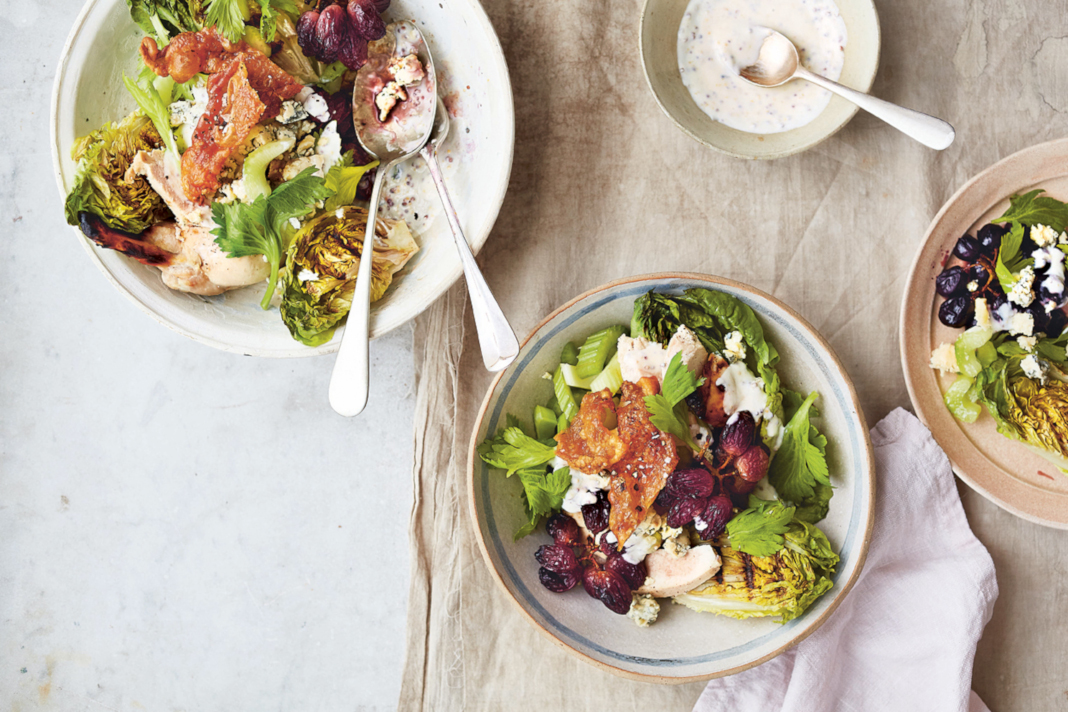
x=400 y=136
x=778 y=63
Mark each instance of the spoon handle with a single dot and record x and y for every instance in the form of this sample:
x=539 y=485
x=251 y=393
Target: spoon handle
x=928 y=130
x=350 y=380
x=495 y=336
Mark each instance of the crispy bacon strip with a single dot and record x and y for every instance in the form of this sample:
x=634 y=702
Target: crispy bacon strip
x=651 y=456
x=588 y=445
x=234 y=108
x=189 y=54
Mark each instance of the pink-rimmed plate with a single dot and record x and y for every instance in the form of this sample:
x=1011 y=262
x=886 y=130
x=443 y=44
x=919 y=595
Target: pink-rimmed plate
x=1003 y=470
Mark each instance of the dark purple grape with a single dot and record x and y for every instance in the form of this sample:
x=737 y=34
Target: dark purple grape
x=1038 y=313
x=738 y=490
x=609 y=588
x=955 y=312
x=608 y=547
x=737 y=436
x=557 y=558
x=752 y=464
x=381 y=5
x=966 y=249
x=990 y=238
x=557 y=583
x=950 y=282
x=353 y=50
x=977 y=273
x=1027 y=246
x=632 y=574
x=694 y=482
x=563 y=529
x=712 y=522
x=996 y=299
x=696 y=404
x=331 y=29
x=307 y=36
x=1057 y=321
x=684 y=510
x=596 y=515
x=663 y=502
x=365 y=19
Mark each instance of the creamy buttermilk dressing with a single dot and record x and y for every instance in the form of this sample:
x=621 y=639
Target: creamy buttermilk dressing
x=719 y=37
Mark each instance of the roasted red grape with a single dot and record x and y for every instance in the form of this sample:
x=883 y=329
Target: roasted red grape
x=632 y=574
x=607 y=587
x=352 y=52
x=738 y=435
x=684 y=510
x=1038 y=313
x=596 y=515
x=663 y=502
x=558 y=558
x=950 y=282
x=712 y=522
x=738 y=490
x=381 y=5
x=966 y=249
x=557 y=583
x=955 y=312
x=694 y=482
x=990 y=238
x=365 y=19
x=752 y=464
x=331 y=29
x=307 y=37
x=563 y=529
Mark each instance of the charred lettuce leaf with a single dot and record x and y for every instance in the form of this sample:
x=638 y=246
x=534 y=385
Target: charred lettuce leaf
x=321 y=265
x=101 y=186
x=783 y=584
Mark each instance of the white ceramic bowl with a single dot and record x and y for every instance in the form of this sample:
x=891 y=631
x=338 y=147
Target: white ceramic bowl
x=474 y=80
x=683 y=644
x=658 y=37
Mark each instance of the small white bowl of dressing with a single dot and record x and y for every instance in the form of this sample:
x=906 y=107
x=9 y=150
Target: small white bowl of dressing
x=690 y=50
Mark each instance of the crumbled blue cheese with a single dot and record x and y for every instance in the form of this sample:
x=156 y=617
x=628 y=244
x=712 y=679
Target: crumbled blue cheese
x=944 y=359
x=972 y=286
x=387 y=98
x=314 y=104
x=292 y=111
x=734 y=346
x=982 y=314
x=1027 y=343
x=306 y=275
x=1043 y=235
x=294 y=223
x=1021 y=292
x=648 y=536
x=1052 y=257
x=644 y=609
x=583 y=490
x=329 y=146
x=1022 y=324
x=1034 y=368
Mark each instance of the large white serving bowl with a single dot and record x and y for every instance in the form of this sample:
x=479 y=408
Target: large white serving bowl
x=477 y=162
x=683 y=645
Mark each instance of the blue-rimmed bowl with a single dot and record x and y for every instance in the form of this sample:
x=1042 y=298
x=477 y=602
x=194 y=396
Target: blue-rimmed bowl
x=682 y=645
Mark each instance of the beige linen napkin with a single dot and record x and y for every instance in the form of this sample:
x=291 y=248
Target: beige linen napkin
x=604 y=186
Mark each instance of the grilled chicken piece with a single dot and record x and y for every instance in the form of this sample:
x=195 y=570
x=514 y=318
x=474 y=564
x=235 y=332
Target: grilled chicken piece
x=198 y=265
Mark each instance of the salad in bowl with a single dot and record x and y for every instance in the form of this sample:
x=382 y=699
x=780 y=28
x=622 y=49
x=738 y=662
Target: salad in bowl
x=669 y=460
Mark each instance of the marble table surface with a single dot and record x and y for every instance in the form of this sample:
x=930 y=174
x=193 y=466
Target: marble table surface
x=183 y=529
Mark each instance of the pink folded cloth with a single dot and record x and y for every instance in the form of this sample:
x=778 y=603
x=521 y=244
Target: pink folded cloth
x=904 y=638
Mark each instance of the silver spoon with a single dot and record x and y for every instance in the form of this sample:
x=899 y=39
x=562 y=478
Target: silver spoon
x=392 y=142
x=778 y=63
x=495 y=335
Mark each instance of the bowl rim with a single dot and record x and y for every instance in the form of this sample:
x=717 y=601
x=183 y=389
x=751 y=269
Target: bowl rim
x=862 y=552
x=771 y=156
x=298 y=350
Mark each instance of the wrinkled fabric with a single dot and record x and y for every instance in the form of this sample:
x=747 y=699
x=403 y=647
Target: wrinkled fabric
x=605 y=186
x=904 y=638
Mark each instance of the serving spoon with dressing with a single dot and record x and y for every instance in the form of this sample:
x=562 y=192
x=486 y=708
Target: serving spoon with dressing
x=779 y=63
x=405 y=134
